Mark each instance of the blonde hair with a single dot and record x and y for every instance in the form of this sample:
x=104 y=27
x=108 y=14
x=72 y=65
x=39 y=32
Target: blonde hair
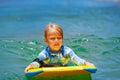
x=52 y=26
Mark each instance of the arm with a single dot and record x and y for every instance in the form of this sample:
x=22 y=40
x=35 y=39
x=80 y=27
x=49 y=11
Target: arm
x=88 y=63
x=32 y=66
x=36 y=62
x=77 y=60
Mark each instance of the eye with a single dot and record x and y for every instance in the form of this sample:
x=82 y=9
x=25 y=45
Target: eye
x=52 y=38
x=59 y=38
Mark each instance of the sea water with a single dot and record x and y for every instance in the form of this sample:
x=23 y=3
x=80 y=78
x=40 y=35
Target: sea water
x=91 y=29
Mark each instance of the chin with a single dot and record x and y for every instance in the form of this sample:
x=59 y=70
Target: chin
x=56 y=49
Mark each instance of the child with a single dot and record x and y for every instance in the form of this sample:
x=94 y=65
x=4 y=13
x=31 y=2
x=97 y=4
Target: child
x=55 y=53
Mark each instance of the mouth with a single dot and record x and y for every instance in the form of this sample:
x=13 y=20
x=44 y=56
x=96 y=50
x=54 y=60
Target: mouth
x=56 y=45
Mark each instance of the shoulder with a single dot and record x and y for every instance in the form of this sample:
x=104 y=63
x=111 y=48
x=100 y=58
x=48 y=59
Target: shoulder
x=44 y=53
x=67 y=49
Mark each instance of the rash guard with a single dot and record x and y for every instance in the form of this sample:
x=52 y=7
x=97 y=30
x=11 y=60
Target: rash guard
x=60 y=57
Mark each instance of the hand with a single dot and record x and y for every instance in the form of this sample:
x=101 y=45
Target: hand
x=31 y=66
x=88 y=64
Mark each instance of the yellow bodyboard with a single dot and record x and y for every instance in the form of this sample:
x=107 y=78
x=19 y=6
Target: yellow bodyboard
x=61 y=71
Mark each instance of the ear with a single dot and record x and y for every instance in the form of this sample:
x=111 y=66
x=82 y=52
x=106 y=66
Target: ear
x=45 y=39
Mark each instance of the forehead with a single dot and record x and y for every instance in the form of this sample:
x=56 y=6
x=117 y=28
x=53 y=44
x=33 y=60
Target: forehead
x=53 y=33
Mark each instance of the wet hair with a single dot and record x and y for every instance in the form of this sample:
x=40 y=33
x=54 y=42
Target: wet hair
x=53 y=26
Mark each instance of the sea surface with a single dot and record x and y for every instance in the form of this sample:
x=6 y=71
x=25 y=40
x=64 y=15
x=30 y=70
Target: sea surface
x=91 y=28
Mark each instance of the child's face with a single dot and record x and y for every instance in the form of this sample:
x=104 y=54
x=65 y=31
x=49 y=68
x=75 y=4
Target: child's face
x=54 y=40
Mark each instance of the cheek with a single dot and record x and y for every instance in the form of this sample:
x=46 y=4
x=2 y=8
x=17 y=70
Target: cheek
x=50 y=42
x=47 y=42
x=61 y=41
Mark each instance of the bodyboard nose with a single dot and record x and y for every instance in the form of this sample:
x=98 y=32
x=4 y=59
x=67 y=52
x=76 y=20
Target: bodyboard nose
x=30 y=74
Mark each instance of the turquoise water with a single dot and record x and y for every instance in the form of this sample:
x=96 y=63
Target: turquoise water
x=91 y=29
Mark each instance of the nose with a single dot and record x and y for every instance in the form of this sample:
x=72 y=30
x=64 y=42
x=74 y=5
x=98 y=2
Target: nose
x=56 y=39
